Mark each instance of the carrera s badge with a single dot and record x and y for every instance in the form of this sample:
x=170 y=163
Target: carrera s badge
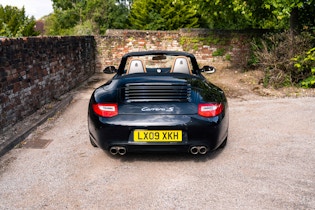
x=157 y=109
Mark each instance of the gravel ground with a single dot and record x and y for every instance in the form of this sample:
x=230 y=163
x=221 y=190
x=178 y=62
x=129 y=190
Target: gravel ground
x=268 y=163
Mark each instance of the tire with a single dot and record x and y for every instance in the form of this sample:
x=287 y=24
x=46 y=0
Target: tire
x=92 y=142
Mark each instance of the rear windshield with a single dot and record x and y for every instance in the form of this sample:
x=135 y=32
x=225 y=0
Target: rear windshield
x=158 y=64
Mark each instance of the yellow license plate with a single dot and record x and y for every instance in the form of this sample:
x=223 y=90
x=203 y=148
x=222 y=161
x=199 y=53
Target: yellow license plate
x=157 y=135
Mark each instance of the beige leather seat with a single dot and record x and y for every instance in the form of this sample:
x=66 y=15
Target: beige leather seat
x=136 y=66
x=181 y=65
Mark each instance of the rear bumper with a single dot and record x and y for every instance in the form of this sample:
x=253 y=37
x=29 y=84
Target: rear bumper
x=197 y=131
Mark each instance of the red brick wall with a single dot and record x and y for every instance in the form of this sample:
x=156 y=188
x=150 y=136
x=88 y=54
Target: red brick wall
x=234 y=45
x=35 y=71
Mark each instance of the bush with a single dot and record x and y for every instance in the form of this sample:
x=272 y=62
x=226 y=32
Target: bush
x=274 y=54
x=218 y=52
x=305 y=65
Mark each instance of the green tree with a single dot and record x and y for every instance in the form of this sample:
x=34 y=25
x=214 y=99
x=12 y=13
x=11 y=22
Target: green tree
x=14 y=22
x=106 y=14
x=79 y=17
x=235 y=14
x=265 y=14
x=163 y=15
x=67 y=14
x=293 y=13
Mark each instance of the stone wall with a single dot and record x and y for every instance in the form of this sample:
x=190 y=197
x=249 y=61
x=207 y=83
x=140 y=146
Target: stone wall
x=211 y=47
x=118 y=42
x=35 y=71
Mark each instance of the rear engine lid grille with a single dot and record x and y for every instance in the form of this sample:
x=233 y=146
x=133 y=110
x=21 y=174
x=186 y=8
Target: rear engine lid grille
x=156 y=92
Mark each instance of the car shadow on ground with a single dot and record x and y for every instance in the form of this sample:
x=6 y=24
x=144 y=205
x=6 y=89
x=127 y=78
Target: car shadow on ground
x=165 y=156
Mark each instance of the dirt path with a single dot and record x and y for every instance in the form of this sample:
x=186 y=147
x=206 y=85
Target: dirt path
x=249 y=85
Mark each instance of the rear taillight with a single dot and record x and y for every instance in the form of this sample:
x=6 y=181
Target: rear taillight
x=105 y=110
x=210 y=109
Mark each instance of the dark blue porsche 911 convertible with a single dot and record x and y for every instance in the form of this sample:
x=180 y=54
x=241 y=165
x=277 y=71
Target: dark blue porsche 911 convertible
x=158 y=101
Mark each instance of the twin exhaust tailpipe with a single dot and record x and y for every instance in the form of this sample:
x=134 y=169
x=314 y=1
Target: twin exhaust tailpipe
x=193 y=150
x=198 y=150
x=118 y=150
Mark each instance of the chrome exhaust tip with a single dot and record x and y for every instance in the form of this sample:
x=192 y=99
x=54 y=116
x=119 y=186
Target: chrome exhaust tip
x=122 y=151
x=194 y=150
x=118 y=150
x=202 y=150
x=113 y=150
x=198 y=150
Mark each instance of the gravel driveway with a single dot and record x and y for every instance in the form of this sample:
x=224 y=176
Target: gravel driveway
x=268 y=163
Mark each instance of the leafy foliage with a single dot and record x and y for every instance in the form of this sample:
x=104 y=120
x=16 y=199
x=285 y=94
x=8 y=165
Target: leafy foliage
x=224 y=14
x=265 y=14
x=274 y=56
x=299 y=12
x=106 y=14
x=100 y=15
x=305 y=65
x=14 y=22
x=163 y=15
x=85 y=17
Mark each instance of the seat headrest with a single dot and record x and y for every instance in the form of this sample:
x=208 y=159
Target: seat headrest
x=181 y=65
x=136 y=66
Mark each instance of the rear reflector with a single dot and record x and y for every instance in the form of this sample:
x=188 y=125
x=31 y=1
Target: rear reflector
x=210 y=109
x=105 y=110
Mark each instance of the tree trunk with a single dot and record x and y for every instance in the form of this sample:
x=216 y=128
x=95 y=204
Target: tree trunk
x=294 y=21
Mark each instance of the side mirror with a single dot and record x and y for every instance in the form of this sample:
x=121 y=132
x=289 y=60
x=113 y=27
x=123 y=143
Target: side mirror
x=208 y=69
x=110 y=70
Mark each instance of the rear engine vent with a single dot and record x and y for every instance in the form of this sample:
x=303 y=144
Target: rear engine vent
x=147 y=92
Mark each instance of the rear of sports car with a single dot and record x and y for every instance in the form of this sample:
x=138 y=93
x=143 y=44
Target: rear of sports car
x=172 y=112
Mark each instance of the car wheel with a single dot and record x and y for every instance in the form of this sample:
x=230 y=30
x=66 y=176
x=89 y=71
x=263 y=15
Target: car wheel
x=223 y=143
x=92 y=142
